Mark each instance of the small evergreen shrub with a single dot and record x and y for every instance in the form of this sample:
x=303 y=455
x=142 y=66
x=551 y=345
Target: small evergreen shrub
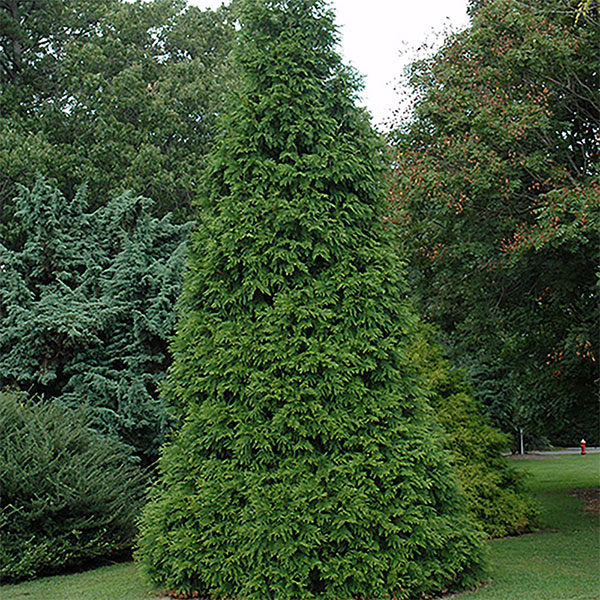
x=67 y=494
x=496 y=494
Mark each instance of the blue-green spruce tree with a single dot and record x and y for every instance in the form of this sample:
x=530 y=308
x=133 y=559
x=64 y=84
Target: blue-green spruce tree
x=86 y=308
x=306 y=464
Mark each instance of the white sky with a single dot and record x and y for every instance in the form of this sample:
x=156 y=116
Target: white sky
x=378 y=37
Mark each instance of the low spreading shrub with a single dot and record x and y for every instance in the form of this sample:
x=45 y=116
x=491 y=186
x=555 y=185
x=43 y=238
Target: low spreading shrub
x=67 y=494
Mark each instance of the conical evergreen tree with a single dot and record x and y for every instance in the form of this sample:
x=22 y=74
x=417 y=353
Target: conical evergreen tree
x=306 y=465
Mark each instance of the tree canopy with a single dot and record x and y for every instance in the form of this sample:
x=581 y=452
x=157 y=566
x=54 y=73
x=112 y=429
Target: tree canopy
x=118 y=95
x=497 y=196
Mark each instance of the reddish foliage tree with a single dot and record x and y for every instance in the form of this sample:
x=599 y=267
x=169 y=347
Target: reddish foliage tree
x=496 y=188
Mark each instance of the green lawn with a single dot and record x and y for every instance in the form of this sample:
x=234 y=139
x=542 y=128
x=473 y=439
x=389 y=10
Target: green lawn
x=117 y=582
x=560 y=562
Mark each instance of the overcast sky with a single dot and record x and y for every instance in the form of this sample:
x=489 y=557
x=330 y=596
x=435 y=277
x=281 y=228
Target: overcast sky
x=377 y=38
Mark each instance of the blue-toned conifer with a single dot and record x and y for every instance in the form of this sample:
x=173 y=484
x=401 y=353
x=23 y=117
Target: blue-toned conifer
x=86 y=308
x=306 y=465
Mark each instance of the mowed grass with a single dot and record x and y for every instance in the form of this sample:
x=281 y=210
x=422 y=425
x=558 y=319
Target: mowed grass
x=559 y=562
x=115 y=582
x=562 y=560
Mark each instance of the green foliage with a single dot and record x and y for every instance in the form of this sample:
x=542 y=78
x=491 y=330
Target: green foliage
x=497 y=497
x=560 y=562
x=86 y=308
x=498 y=199
x=120 y=95
x=307 y=464
x=495 y=492
x=67 y=494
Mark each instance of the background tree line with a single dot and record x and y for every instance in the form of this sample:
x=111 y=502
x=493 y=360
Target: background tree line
x=120 y=95
x=101 y=103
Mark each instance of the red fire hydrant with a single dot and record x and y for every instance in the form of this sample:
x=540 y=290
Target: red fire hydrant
x=582 y=444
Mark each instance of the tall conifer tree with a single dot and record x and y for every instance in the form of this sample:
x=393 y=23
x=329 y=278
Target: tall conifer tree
x=306 y=465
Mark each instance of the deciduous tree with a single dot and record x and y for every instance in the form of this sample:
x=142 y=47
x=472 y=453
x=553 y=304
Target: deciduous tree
x=497 y=196
x=120 y=95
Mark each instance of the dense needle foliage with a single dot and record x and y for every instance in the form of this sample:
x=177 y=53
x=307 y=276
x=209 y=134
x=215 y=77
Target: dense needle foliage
x=86 y=308
x=67 y=494
x=307 y=464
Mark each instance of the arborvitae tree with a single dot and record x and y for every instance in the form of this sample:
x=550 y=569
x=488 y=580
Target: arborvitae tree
x=307 y=464
x=86 y=308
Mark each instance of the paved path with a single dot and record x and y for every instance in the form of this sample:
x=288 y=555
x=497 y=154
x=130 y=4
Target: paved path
x=568 y=451
x=549 y=453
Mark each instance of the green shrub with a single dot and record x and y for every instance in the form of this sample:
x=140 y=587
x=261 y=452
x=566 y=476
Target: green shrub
x=67 y=494
x=496 y=495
